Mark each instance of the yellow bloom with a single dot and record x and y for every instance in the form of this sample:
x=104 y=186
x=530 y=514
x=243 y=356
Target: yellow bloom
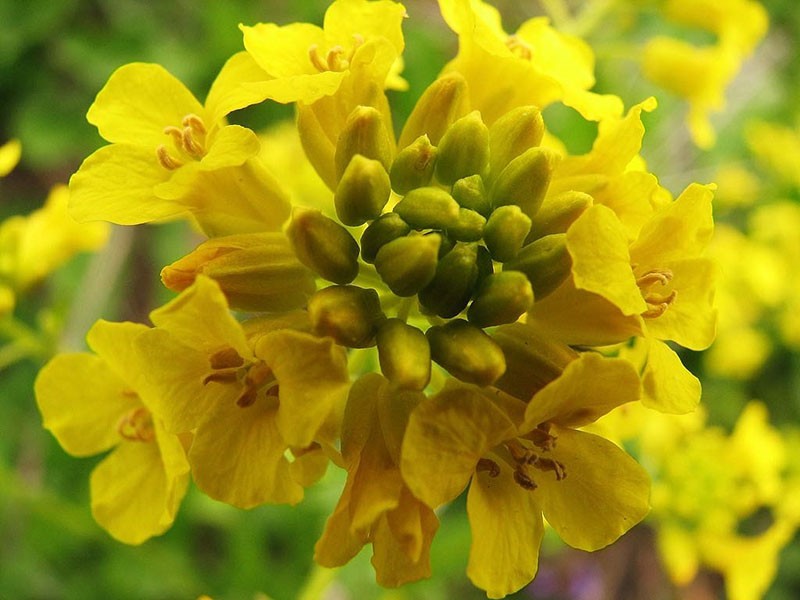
x=528 y=460
x=171 y=156
x=777 y=148
x=10 y=153
x=256 y=397
x=137 y=488
x=536 y=65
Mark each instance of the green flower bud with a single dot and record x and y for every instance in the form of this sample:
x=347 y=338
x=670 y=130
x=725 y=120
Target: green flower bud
x=545 y=262
x=349 y=314
x=468 y=228
x=502 y=298
x=428 y=208
x=454 y=282
x=323 y=245
x=413 y=166
x=362 y=192
x=525 y=180
x=381 y=231
x=408 y=264
x=512 y=134
x=441 y=104
x=505 y=232
x=404 y=355
x=255 y=271
x=558 y=212
x=532 y=360
x=463 y=149
x=364 y=133
x=470 y=193
x=466 y=352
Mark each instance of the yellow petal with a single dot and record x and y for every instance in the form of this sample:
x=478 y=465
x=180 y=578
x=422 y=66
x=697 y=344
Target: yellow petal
x=238 y=457
x=604 y=494
x=116 y=183
x=446 y=436
x=113 y=342
x=226 y=93
x=338 y=544
x=667 y=385
x=504 y=554
x=313 y=379
x=678 y=549
x=589 y=387
x=282 y=51
x=132 y=496
x=346 y=18
x=138 y=101
x=10 y=153
x=82 y=401
x=601 y=263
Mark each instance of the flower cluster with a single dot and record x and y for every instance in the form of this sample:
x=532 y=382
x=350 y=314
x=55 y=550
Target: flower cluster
x=463 y=300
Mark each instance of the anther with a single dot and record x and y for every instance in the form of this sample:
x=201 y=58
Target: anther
x=137 y=426
x=337 y=59
x=190 y=143
x=658 y=305
x=519 y=47
x=655 y=276
x=485 y=465
x=541 y=437
x=195 y=122
x=524 y=480
x=167 y=161
x=176 y=133
x=549 y=464
x=225 y=359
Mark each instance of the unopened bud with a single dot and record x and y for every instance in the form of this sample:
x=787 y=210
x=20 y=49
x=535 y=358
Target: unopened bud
x=362 y=192
x=471 y=193
x=532 y=359
x=512 y=134
x=466 y=352
x=349 y=314
x=404 y=355
x=505 y=232
x=381 y=231
x=428 y=208
x=413 y=166
x=558 y=212
x=525 y=180
x=468 y=228
x=255 y=271
x=364 y=133
x=408 y=264
x=454 y=282
x=502 y=298
x=441 y=104
x=546 y=263
x=463 y=149
x=323 y=245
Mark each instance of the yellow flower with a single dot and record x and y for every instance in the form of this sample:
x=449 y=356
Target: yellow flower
x=376 y=506
x=536 y=65
x=137 y=488
x=171 y=156
x=777 y=148
x=528 y=460
x=10 y=153
x=241 y=397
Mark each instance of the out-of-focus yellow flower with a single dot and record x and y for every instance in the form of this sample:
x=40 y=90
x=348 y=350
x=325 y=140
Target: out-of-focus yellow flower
x=10 y=153
x=777 y=149
x=737 y=187
x=135 y=490
x=536 y=65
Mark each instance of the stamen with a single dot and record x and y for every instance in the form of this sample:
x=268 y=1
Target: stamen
x=548 y=464
x=337 y=59
x=658 y=305
x=230 y=375
x=190 y=144
x=195 y=122
x=176 y=133
x=488 y=466
x=167 y=161
x=247 y=397
x=519 y=47
x=137 y=426
x=316 y=58
x=225 y=359
x=652 y=277
x=542 y=438
x=524 y=480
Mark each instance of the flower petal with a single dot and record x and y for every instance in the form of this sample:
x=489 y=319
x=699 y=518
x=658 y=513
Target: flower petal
x=227 y=92
x=668 y=386
x=113 y=342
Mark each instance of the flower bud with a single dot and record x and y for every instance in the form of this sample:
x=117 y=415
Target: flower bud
x=512 y=134
x=349 y=314
x=408 y=264
x=558 y=212
x=546 y=263
x=505 y=232
x=413 y=166
x=255 y=271
x=454 y=282
x=382 y=230
x=502 y=298
x=323 y=245
x=525 y=180
x=441 y=104
x=428 y=208
x=468 y=228
x=470 y=193
x=362 y=192
x=364 y=133
x=463 y=149
x=404 y=354
x=466 y=352
x=532 y=360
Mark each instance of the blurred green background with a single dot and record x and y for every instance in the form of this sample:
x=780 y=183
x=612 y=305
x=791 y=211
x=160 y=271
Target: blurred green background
x=54 y=57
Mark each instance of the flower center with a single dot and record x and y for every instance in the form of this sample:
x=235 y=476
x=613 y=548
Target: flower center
x=188 y=143
x=227 y=367
x=137 y=425
x=657 y=303
x=337 y=58
x=526 y=457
